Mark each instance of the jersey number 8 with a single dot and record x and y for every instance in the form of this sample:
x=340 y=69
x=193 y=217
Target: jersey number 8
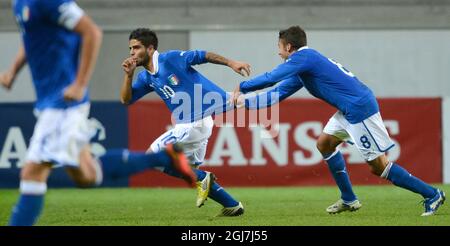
x=342 y=68
x=365 y=141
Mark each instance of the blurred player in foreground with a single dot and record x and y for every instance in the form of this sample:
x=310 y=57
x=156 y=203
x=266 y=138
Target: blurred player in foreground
x=61 y=44
x=358 y=118
x=190 y=97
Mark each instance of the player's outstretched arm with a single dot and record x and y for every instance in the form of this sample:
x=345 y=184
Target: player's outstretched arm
x=7 y=78
x=241 y=68
x=283 y=90
x=91 y=36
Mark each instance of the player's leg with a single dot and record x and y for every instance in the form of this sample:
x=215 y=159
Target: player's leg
x=183 y=135
x=33 y=186
x=121 y=163
x=33 y=176
x=333 y=135
x=382 y=167
x=196 y=153
x=399 y=176
x=87 y=171
x=373 y=141
x=207 y=185
x=173 y=136
x=194 y=138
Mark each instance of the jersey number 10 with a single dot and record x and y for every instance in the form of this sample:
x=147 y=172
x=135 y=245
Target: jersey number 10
x=342 y=68
x=167 y=91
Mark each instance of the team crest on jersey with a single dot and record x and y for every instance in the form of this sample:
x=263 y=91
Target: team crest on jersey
x=25 y=14
x=173 y=80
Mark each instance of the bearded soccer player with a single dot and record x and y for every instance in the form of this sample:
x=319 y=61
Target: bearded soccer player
x=192 y=99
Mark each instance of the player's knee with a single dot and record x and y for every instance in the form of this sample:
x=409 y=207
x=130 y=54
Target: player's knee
x=375 y=170
x=327 y=144
x=378 y=165
x=85 y=182
x=34 y=172
x=89 y=174
x=324 y=147
x=319 y=146
x=26 y=174
x=85 y=179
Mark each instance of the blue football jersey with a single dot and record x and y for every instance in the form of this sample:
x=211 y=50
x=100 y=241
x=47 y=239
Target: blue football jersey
x=322 y=77
x=188 y=94
x=51 y=47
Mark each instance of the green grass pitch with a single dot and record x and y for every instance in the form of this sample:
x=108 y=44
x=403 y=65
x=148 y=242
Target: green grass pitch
x=382 y=205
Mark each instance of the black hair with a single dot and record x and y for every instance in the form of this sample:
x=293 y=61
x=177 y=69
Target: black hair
x=146 y=36
x=294 y=35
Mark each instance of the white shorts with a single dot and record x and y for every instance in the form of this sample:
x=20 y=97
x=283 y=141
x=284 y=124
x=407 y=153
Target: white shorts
x=370 y=136
x=60 y=135
x=194 y=137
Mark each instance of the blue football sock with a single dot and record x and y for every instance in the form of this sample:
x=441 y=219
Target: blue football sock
x=122 y=163
x=200 y=174
x=218 y=194
x=27 y=210
x=336 y=164
x=30 y=204
x=174 y=173
x=400 y=177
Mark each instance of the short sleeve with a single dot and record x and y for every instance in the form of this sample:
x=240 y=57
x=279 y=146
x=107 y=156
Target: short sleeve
x=194 y=57
x=63 y=12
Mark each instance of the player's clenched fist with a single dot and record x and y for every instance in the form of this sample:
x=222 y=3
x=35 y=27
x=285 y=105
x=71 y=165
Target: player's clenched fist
x=6 y=79
x=129 y=65
x=74 y=92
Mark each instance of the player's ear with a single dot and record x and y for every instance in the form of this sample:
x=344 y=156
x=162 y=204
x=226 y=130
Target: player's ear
x=150 y=49
x=288 y=47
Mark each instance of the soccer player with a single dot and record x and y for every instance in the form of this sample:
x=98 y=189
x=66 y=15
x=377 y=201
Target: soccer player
x=190 y=97
x=358 y=118
x=61 y=44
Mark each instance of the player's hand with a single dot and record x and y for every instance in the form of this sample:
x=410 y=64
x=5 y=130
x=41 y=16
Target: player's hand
x=235 y=96
x=6 y=79
x=241 y=68
x=240 y=101
x=129 y=65
x=74 y=92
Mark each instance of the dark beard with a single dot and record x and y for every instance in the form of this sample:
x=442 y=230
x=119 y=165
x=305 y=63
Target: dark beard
x=144 y=61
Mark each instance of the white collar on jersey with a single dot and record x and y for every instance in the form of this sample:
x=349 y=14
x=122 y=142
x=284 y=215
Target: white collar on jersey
x=155 y=62
x=300 y=49
x=303 y=48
